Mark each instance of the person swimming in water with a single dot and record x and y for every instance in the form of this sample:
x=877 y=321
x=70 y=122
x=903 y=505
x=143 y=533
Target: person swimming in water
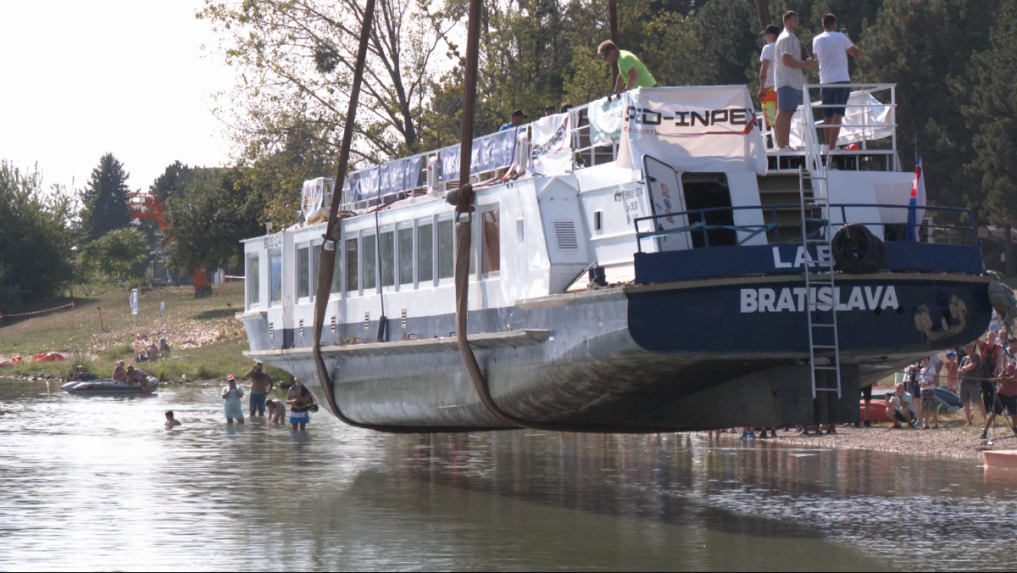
x=171 y=422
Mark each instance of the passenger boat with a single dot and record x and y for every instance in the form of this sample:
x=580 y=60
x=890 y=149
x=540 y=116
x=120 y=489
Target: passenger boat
x=106 y=387
x=642 y=265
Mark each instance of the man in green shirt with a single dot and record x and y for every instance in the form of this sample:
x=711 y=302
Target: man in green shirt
x=632 y=73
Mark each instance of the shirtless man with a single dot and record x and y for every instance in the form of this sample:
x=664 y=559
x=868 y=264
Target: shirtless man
x=261 y=385
x=80 y=375
x=137 y=377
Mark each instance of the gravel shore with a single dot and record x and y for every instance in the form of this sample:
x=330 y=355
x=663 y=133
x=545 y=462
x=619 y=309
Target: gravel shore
x=952 y=440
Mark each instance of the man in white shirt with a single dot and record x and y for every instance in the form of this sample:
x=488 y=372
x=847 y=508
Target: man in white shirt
x=768 y=93
x=789 y=78
x=832 y=49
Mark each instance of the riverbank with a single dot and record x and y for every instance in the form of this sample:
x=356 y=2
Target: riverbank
x=952 y=440
x=206 y=338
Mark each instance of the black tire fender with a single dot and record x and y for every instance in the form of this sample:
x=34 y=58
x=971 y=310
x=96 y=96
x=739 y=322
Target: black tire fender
x=857 y=251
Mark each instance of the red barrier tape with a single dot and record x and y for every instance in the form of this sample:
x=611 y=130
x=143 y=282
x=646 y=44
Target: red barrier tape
x=2 y=316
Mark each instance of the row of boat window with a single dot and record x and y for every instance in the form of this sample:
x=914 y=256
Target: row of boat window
x=413 y=256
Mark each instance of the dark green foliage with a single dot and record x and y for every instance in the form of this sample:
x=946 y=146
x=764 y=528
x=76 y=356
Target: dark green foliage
x=173 y=181
x=207 y=224
x=105 y=199
x=120 y=255
x=925 y=46
x=35 y=239
x=992 y=115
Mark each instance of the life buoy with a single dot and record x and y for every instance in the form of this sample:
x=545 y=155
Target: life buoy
x=857 y=251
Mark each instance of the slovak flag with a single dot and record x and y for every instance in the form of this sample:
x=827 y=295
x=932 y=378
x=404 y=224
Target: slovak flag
x=916 y=212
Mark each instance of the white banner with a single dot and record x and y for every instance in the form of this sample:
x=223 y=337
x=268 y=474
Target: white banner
x=312 y=197
x=552 y=145
x=606 y=119
x=865 y=119
x=693 y=129
x=134 y=301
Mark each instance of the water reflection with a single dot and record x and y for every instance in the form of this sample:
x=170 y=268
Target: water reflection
x=98 y=483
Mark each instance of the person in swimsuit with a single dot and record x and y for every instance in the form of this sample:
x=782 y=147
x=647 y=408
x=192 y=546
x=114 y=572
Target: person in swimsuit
x=299 y=398
x=119 y=374
x=231 y=396
x=276 y=411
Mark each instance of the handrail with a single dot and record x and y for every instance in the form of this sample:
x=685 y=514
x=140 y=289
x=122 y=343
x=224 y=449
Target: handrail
x=703 y=227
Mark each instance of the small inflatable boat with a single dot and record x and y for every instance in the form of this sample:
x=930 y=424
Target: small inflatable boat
x=107 y=387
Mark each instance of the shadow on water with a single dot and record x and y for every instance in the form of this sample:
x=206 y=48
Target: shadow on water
x=208 y=495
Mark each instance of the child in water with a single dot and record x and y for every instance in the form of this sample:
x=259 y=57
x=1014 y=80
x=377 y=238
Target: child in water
x=171 y=422
x=276 y=411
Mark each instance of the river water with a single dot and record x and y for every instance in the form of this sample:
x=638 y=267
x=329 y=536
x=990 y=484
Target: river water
x=99 y=484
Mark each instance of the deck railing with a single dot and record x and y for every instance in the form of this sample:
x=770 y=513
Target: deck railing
x=864 y=129
x=588 y=152
x=696 y=224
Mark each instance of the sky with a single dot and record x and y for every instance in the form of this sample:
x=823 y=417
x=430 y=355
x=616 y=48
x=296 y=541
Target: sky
x=84 y=77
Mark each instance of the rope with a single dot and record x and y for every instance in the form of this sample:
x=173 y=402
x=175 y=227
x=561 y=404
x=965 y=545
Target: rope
x=38 y=312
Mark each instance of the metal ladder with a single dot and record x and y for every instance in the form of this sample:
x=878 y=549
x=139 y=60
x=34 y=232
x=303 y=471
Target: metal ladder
x=819 y=274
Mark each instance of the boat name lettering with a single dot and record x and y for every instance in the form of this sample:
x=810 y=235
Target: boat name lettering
x=822 y=298
x=689 y=118
x=273 y=241
x=803 y=256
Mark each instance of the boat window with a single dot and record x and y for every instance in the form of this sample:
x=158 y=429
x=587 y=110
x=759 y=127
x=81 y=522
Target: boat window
x=315 y=265
x=446 y=250
x=275 y=275
x=352 y=270
x=406 y=256
x=370 y=262
x=253 y=281
x=388 y=259
x=709 y=191
x=303 y=273
x=492 y=242
x=337 y=270
x=425 y=252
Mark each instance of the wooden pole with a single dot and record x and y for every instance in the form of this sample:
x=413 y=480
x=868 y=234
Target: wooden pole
x=763 y=11
x=612 y=9
x=469 y=94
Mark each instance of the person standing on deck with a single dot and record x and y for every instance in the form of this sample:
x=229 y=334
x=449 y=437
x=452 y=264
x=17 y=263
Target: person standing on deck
x=632 y=73
x=767 y=72
x=518 y=117
x=261 y=385
x=832 y=49
x=789 y=78
x=299 y=398
x=232 y=405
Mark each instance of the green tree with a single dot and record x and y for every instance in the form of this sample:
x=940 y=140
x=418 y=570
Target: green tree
x=173 y=181
x=35 y=238
x=121 y=254
x=925 y=47
x=992 y=114
x=105 y=199
x=208 y=223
